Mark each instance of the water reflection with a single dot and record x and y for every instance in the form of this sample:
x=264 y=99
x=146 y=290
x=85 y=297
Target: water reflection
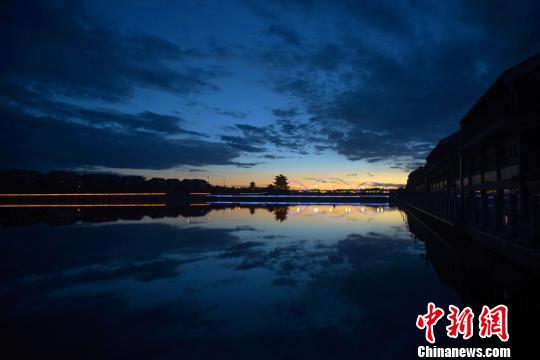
x=267 y=282
x=481 y=278
x=17 y=216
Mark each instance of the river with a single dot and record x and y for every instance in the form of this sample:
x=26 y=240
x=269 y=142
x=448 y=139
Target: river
x=309 y=281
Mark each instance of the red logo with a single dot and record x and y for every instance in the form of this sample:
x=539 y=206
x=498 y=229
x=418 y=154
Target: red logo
x=490 y=322
x=429 y=320
x=460 y=322
x=494 y=322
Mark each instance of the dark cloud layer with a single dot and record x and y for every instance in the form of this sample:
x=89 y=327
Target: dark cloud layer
x=51 y=51
x=61 y=49
x=286 y=34
x=374 y=81
x=404 y=73
x=45 y=142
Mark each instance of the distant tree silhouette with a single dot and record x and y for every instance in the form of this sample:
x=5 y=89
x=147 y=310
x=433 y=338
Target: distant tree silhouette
x=252 y=185
x=281 y=182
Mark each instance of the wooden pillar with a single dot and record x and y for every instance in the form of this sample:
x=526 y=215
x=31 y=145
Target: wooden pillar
x=526 y=219
x=484 y=209
x=499 y=209
x=461 y=213
x=499 y=198
x=515 y=219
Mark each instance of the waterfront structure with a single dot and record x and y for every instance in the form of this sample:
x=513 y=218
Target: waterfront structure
x=486 y=176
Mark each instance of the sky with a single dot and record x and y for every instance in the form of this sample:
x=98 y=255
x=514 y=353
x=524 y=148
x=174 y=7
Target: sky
x=332 y=94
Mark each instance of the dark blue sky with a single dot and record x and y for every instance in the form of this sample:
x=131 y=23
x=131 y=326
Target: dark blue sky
x=329 y=92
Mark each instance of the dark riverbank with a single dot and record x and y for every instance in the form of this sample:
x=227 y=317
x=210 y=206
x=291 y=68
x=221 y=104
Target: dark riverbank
x=481 y=277
x=456 y=235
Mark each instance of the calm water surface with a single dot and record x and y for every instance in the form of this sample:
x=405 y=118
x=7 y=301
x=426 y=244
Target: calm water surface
x=270 y=282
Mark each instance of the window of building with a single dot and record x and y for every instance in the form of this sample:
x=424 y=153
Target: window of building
x=491 y=159
x=510 y=152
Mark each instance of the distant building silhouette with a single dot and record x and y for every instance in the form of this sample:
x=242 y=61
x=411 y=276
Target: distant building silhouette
x=25 y=181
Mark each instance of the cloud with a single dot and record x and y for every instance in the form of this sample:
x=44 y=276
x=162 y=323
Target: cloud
x=373 y=81
x=286 y=113
x=122 y=255
x=239 y=115
x=256 y=139
x=45 y=142
x=285 y=33
x=144 y=121
x=63 y=50
x=397 y=75
x=328 y=57
x=57 y=55
x=247 y=165
x=243 y=143
x=273 y=157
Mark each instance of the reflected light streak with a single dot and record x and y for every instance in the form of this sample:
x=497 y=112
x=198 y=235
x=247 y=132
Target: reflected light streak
x=85 y=194
x=76 y=205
